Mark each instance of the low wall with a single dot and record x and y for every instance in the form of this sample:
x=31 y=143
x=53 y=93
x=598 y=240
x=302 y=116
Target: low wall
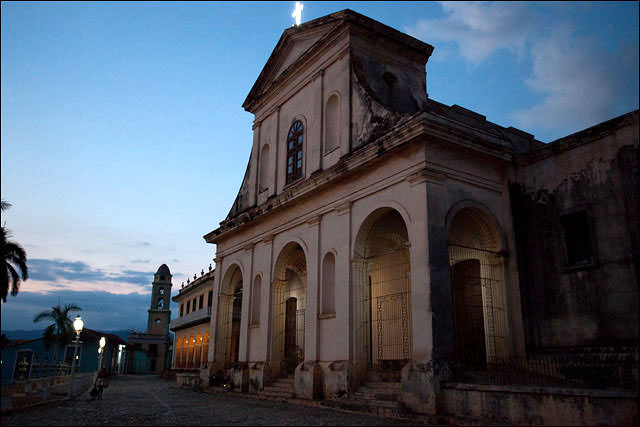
x=188 y=379
x=524 y=405
x=39 y=390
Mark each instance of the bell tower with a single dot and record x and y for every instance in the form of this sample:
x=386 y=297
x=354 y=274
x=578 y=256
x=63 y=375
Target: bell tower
x=159 y=311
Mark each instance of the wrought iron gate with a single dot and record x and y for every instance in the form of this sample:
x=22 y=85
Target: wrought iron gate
x=478 y=305
x=384 y=335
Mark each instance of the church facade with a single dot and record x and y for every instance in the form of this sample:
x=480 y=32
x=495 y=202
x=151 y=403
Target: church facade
x=379 y=235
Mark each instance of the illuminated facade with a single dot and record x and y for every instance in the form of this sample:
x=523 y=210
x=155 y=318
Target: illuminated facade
x=384 y=241
x=191 y=327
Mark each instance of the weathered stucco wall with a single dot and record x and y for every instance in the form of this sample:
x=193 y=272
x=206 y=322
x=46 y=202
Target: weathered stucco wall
x=540 y=406
x=594 y=304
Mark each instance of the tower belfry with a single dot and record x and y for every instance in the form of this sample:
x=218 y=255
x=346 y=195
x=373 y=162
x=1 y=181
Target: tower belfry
x=159 y=309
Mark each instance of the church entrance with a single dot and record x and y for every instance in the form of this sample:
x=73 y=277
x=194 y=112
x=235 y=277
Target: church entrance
x=468 y=313
x=290 y=351
x=229 y=319
x=289 y=302
x=235 y=325
x=382 y=286
x=477 y=290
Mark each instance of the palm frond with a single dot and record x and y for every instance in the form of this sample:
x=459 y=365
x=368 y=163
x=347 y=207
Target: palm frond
x=44 y=315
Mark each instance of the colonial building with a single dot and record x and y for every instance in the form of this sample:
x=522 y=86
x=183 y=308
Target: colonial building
x=380 y=236
x=191 y=328
x=149 y=351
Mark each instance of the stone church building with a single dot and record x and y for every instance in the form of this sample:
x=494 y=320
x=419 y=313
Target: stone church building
x=380 y=236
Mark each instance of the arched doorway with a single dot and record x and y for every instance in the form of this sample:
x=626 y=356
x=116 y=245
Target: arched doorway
x=382 y=285
x=289 y=294
x=229 y=318
x=477 y=289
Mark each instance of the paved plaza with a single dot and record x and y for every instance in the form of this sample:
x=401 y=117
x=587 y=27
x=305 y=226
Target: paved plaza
x=149 y=400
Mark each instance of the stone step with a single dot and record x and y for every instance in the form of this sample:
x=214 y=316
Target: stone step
x=383 y=385
x=380 y=408
x=390 y=397
x=384 y=376
x=276 y=394
x=273 y=387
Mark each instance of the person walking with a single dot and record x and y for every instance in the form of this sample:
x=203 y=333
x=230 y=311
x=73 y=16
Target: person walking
x=100 y=383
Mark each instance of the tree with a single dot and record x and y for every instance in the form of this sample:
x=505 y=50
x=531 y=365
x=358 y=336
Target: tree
x=61 y=330
x=13 y=257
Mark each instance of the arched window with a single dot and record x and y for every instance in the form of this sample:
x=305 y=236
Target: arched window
x=332 y=123
x=264 y=168
x=255 y=303
x=294 y=151
x=160 y=304
x=328 y=283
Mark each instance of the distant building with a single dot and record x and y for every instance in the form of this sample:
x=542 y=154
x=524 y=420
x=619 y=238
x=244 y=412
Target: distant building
x=149 y=351
x=191 y=327
x=26 y=359
x=381 y=240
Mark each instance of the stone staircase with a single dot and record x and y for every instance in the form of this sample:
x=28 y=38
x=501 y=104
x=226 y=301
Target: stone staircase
x=379 y=395
x=282 y=388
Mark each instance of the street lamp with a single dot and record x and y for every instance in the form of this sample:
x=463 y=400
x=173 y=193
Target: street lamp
x=78 y=324
x=103 y=342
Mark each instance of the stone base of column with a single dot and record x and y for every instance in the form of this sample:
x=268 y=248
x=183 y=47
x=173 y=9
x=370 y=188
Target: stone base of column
x=421 y=385
x=204 y=376
x=239 y=374
x=335 y=378
x=256 y=376
x=307 y=383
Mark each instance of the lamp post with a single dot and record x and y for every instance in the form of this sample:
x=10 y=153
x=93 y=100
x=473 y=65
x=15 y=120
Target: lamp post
x=103 y=342
x=78 y=324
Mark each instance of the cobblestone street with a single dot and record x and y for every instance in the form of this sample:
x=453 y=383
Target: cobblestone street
x=149 y=400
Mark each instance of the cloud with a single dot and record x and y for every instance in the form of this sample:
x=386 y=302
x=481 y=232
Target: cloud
x=140 y=261
x=101 y=310
x=479 y=29
x=55 y=270
x=583 y=83
x=578 y=81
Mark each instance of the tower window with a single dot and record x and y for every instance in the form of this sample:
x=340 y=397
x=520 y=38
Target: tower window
x=294 y=151
x=188 y=304
x=201 y=301
x=578 y=242
x=161 y=291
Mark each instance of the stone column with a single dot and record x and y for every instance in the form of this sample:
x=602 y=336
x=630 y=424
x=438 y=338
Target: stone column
x=422 y=377
x=213 y=325
x=306 y=380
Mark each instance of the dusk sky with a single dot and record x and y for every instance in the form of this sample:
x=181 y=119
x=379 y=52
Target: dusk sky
x=124 y=140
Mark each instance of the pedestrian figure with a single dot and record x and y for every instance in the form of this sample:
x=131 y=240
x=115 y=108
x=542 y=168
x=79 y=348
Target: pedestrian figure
x=100 y=383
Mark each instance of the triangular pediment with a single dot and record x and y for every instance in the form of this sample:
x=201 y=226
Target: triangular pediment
x=294 y=44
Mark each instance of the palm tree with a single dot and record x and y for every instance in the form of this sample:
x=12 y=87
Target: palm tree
x=13 y=256
x=61 y=330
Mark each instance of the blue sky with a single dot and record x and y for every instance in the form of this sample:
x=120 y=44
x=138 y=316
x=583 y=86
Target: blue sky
x=124 y=140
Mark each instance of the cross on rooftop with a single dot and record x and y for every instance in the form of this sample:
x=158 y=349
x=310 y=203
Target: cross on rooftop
x=297 y=13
